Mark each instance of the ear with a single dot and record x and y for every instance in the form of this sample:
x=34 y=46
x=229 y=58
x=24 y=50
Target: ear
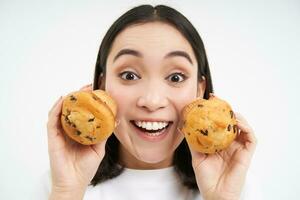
x=101 y=82
x=201 y=87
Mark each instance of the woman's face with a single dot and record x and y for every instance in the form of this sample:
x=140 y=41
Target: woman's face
x=152 y=74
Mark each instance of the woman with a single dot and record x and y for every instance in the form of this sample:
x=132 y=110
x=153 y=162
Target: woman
x=152 y=62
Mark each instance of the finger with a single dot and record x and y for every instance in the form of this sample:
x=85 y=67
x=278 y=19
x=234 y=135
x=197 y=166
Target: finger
x=99 y=148
x=54 y=105
x=88 y=87
x=55 y=108
x=196 y=156
x=56 y=139
x=212 y=95
x=243 y=124
x=54 y=114
x=246 y=134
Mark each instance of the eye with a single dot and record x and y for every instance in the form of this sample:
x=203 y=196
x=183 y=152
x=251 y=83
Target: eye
x=127 y=75
x=177 y=77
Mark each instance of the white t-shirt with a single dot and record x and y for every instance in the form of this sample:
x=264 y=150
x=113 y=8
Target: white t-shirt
x=158 y=184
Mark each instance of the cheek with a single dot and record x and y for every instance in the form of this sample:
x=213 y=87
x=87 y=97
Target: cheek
x=185 y=95
x=121 y=100
x=123 y=96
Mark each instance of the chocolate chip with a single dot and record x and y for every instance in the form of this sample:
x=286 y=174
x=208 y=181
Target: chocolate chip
x=204 y=132
x=72 y=98
x=229 y=127
x=91 y=120
x=231 y=114
x=200 y=105
x=78 y=132
x=90 y=138
x=98 y=127
x=95 y=98
x=68 y=121
x=235 y=128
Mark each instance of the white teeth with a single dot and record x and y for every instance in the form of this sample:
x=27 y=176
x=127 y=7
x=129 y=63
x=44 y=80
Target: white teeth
x=156 y=125
x=151 y=125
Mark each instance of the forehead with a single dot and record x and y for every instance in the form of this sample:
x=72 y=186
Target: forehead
x=151 y=38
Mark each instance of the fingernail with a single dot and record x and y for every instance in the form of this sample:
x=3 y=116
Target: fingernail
x=211 y=94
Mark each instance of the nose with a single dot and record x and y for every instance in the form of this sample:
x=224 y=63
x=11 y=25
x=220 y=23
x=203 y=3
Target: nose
x=152 y=99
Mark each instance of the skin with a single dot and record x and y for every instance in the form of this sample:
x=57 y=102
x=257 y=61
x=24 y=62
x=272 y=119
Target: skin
x=151 y=94
x=146 y=85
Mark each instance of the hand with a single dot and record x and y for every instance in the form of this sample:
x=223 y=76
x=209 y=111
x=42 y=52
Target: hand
x=72 y=165
x=222 y=175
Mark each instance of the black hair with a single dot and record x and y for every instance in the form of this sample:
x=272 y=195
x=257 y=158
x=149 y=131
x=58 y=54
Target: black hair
x=182 y=161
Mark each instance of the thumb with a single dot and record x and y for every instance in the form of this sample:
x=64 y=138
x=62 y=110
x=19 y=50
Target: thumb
x=196 y=156
x=99 y=148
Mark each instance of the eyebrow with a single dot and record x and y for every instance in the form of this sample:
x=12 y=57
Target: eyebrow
x=139 y=54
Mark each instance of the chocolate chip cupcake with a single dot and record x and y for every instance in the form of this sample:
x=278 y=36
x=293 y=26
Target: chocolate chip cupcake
x=209 y=125
x=88 y=117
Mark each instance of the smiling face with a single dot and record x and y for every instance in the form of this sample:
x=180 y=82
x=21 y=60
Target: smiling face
x=151 y=72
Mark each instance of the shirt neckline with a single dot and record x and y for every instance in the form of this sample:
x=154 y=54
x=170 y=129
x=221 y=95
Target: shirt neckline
x=166 y=174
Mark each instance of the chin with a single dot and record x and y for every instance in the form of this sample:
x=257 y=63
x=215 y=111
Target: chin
x=153 y=157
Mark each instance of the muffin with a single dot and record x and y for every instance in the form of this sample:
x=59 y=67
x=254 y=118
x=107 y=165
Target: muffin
x=88 y=117
x=209 y=125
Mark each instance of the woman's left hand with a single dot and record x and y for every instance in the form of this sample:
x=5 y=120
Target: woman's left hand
x=222 y=175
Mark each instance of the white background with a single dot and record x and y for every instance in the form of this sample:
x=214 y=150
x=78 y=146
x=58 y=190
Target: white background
x=48 y=49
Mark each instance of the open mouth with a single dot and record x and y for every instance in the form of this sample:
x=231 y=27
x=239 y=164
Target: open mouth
x=151 y=127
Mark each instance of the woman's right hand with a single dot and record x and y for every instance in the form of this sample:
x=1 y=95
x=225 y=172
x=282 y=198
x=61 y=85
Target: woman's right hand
x=72 y=165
